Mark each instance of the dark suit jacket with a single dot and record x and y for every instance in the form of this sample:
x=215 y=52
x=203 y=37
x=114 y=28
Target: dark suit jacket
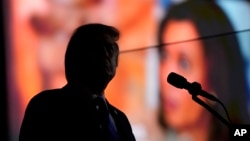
x=62 y=114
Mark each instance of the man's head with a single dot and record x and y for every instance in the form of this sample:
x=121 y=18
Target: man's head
x=91 y=57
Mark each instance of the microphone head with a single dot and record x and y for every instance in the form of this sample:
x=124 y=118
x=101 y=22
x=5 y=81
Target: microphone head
x=177 y=80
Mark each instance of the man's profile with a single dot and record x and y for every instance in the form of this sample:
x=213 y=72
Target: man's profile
x=79 y=110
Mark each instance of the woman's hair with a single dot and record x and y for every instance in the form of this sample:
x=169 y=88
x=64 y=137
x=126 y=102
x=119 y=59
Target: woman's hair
x=226 y=73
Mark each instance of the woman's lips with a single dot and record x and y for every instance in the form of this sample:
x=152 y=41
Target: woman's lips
x=170 y=105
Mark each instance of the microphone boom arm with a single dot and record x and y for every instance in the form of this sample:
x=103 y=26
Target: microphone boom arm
x=196 y=99
x=195 y=89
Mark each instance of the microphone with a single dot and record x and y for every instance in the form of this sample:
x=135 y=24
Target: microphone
x=177 y=80
x=193 y=88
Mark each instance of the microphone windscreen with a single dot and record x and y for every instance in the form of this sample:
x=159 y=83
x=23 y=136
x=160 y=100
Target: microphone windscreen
x=177 y=80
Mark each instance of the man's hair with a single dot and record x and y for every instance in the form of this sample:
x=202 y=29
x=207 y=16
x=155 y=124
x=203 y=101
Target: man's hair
x=91 y=57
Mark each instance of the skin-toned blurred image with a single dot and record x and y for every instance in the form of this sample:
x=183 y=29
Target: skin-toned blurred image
x=216 y=63
x=39 y=31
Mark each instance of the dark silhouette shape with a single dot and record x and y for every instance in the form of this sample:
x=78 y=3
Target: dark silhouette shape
x=73 y=112
x=225 y=65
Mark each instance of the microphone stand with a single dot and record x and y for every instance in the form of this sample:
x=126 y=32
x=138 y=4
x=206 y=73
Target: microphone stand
x=196 y=99
x=195 y=89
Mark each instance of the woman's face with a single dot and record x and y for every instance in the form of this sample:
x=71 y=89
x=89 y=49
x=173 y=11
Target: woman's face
x=188 y=60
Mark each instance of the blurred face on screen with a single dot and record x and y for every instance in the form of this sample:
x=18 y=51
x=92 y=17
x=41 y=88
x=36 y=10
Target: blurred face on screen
x=188 y=60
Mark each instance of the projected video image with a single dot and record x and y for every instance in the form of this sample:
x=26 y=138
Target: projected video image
x=206 y=43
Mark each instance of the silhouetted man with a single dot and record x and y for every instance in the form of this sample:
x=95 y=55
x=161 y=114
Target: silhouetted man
x=79 y=110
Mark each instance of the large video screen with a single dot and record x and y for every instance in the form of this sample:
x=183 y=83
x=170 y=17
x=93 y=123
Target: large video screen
x=208 y=44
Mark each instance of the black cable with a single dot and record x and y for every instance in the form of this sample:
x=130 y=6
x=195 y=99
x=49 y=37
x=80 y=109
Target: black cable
x=177 y=42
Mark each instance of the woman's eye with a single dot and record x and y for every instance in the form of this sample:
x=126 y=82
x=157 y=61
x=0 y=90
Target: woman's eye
x=184 y=64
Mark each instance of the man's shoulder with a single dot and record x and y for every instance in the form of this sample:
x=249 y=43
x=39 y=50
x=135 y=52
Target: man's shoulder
x=49 y=93
x=47 y=96
x=116 y=111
